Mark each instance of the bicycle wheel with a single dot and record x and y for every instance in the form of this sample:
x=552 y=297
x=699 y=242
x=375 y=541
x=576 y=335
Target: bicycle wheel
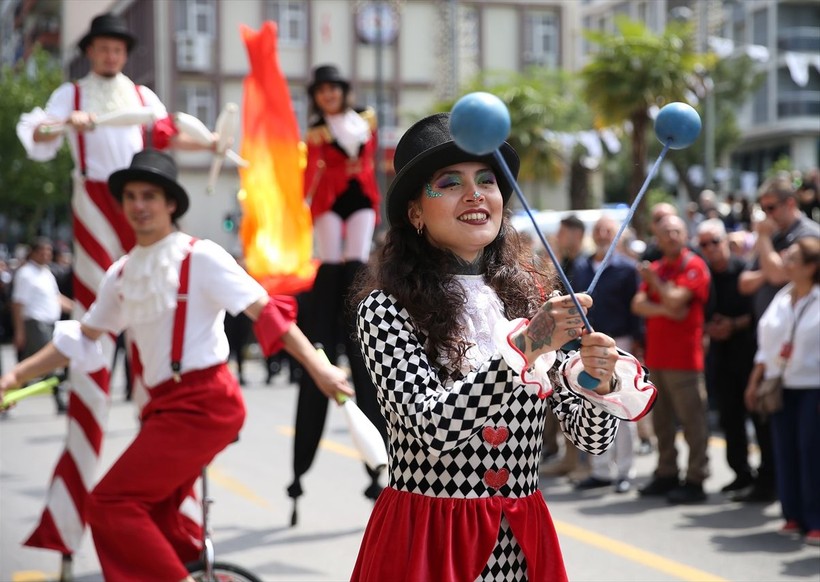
x=223 y=572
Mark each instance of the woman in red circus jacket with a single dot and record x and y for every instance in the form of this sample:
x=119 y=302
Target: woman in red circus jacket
x=340 y=186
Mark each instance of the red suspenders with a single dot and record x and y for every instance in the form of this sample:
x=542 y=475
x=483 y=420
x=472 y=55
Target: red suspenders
x=178 y=333
x=81 y=135
x=181 y=312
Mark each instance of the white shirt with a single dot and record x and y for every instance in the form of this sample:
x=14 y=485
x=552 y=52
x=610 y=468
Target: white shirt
x=107 y=148
x=35 y=288
x=802 y=369
x=143 y=300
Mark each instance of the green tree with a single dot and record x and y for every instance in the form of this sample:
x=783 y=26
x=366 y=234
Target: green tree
x=733 y=80
x=30 y=190
x=633 y=70
x=539 y=100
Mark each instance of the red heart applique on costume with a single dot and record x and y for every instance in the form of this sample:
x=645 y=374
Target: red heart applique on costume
x=496 y=480
x=495 y=436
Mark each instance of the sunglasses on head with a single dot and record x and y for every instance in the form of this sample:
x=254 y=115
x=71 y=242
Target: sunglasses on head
x=707 y=243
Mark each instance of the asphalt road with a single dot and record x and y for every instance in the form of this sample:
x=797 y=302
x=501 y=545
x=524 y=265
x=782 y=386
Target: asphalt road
x=604 y=536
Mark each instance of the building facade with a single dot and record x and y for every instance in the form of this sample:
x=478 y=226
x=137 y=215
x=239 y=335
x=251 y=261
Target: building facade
x=404 y=55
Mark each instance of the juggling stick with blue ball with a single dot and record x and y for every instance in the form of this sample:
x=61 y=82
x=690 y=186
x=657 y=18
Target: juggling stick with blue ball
x=677 y=126
x=479 y=124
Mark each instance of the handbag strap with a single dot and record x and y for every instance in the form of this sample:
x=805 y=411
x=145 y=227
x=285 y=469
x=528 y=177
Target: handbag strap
x=794 y=328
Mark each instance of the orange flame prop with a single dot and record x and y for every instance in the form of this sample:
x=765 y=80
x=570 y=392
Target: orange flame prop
x=276 y=231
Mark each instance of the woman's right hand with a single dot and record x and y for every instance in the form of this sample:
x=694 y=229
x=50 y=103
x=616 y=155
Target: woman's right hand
x=332 y=382
x=556 y=323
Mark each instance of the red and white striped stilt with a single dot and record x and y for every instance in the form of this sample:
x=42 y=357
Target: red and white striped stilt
x=101 y=235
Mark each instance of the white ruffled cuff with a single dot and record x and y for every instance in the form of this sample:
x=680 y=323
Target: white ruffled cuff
x=632 y=397
x=535 y=374
x=86 y=355
x=38 y=151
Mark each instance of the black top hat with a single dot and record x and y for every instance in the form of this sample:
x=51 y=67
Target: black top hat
x=108 y=25
x=155 y=167
x=426 y=147
x=327 y=74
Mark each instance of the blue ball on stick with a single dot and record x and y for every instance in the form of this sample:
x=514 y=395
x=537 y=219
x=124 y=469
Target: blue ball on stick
x=479 y=123
x=677 y=125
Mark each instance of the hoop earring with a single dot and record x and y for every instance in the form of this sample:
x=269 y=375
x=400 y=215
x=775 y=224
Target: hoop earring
x=420 y=230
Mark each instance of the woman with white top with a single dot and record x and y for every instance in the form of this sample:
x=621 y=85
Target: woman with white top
x=788 y=336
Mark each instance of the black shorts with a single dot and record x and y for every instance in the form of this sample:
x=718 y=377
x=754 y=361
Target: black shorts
x=351 y=200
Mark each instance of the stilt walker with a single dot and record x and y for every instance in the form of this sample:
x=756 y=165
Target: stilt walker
x=106 y=119
x=341 y=188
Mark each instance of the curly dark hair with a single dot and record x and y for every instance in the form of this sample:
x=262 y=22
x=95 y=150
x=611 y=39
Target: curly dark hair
x=420 y=277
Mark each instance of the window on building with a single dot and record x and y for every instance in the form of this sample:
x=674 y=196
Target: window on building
x=291 y=19
x=196 y=16
x=299 y=101
x=760 y=104
x=468 y=38
x=541 y=38
x=760 y=27
x=794 y=100
x=195 y=31
x=199 y=100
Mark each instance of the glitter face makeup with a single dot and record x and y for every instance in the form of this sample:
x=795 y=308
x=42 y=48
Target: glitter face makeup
x=430 y=192
x=450 y=180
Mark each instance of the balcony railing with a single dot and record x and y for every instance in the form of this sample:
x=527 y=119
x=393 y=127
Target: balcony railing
x=805 y=39
x=798 y=103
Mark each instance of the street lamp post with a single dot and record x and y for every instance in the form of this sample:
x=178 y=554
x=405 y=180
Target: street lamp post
x=377 y=24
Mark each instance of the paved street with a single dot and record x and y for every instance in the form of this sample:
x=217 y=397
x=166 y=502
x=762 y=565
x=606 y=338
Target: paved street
x=605 y=536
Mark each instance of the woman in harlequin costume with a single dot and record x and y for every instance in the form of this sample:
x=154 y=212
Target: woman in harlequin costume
x=341 y=188
x=466 y=355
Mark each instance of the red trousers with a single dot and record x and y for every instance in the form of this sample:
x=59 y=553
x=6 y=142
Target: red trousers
x=133 y=512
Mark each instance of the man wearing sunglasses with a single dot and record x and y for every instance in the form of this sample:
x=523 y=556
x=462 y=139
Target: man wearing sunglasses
x=731 y=354
x=783 y=224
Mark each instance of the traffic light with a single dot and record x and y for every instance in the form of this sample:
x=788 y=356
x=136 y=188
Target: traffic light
x=230 y=222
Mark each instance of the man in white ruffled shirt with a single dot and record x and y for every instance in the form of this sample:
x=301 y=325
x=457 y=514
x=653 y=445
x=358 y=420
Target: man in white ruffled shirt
x=170 y=293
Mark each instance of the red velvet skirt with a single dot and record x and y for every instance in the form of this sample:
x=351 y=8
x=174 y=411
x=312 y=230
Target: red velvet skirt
x=416 y=538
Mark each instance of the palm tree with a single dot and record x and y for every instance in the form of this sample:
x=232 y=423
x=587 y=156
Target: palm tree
x=634 y=70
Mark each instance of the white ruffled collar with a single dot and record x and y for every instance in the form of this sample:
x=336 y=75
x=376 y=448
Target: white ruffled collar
x=350 y=131
x=150 y=278
x=106 y=94
x=482 y=310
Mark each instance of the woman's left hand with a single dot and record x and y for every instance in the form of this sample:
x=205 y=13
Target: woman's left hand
x=599 y=356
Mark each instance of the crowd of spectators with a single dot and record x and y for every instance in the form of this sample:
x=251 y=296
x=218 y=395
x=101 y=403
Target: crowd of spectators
x=702 y=281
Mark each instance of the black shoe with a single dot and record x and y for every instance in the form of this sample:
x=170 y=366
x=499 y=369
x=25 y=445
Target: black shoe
x=592 y=483
x=373 y=490
x=687 y=493
x=742 y=481
x=623 y=486
x=659 y=486
x=756 y=494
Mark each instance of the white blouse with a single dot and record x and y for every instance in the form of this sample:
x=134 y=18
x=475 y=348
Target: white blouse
x=802 y=369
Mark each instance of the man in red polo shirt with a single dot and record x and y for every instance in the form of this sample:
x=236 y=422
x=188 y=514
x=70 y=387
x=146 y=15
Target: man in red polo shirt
x=672 y=298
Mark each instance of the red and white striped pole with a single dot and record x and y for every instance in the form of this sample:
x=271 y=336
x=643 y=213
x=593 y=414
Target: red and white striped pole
x=101 y=235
